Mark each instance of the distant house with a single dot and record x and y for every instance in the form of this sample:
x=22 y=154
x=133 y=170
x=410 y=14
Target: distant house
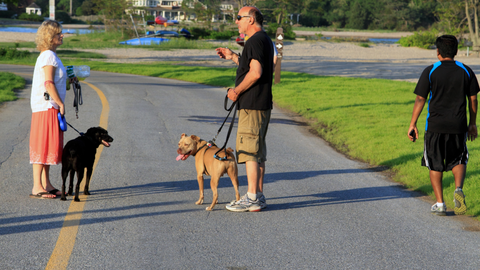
x=34 y=9
x=172 y=9
x=3 y=6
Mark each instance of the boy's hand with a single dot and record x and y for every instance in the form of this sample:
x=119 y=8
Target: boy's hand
x=472 y=132
x=413 y=134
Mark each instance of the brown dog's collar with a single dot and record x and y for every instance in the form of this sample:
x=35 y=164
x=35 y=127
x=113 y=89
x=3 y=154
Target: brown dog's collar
x=198 y=150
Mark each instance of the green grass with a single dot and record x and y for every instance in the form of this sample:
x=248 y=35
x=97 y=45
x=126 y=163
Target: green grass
x=8 y=83
x=367 y=119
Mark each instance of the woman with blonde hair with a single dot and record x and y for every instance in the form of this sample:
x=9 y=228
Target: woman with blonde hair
x=47 y=100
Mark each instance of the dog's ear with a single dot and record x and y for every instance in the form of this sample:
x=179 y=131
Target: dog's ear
x=183 y=135
x=195 y=138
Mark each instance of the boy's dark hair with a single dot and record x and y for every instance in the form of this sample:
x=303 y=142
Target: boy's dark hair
x=447 y=46
x=254 y=12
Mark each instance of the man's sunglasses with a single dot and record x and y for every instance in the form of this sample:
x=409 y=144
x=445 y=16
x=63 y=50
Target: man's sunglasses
x=240 y=17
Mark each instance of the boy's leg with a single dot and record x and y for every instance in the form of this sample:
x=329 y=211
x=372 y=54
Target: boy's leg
x=459 y=174
x=436 y=180
x=460 y=207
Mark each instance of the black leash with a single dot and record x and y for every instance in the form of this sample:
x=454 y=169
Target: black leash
x=233 y=108
x=78 y=99
x=81 y=133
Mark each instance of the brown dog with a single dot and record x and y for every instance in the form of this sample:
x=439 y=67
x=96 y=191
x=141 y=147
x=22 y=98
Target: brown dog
x=208 y=165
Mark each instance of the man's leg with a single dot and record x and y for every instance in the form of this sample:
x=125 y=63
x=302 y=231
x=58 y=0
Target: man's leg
x=436 y=180
x=260 y=180
x=253 y=175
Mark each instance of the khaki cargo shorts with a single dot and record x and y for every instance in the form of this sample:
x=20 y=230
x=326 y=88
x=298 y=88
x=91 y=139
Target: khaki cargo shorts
x=251 y=133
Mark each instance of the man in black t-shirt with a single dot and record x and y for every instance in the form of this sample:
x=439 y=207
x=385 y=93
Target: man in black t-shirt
x=450 y=84
x=253 y=91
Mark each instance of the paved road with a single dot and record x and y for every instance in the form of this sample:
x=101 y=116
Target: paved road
x=325 y=211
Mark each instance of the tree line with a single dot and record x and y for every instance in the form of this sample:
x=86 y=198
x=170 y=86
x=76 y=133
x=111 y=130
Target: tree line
x=446 y=16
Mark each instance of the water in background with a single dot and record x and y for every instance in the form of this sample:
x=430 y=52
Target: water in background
x=384 y=40
x=34 y=30
x=376 y=40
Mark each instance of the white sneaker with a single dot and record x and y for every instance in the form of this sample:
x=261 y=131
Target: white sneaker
x=439 y=210
x=245 y=204
x=262 y=201
x=459 y=200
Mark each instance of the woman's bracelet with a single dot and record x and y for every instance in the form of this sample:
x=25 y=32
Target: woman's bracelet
x=48 y=82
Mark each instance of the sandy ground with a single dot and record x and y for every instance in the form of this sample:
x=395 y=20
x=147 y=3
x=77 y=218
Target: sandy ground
x=298 y=48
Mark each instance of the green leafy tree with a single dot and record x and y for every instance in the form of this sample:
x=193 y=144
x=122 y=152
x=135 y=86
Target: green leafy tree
x=114 y=12
x=313 y=13
x=88 y=7
x=471 y=10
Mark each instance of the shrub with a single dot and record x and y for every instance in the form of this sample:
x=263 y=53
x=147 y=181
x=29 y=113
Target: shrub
x=199 y=32
x=420 y=39
x=62 y=16
x=222 y=35
x=9 y=53
x=7 y=14
x=287 y=30
x=31 y=17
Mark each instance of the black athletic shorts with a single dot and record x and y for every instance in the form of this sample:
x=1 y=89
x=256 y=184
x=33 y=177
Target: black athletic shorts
x=442 y=151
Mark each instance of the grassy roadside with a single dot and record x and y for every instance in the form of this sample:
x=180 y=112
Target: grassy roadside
x=367 y=119
x=102 y=40
x=8 y=83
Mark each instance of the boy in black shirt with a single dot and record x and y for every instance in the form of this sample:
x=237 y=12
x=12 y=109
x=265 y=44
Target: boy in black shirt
x=450 y=84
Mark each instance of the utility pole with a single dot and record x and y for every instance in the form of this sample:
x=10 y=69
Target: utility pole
x=52 y=10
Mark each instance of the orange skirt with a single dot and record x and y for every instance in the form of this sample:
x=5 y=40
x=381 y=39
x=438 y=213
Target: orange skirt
x=46 y=138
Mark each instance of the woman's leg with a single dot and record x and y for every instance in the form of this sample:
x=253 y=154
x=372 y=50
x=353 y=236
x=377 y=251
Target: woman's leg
x=38 y=181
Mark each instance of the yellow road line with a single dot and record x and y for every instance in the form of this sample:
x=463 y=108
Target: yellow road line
x=66 y=240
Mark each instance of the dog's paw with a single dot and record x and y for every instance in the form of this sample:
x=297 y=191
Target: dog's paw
x=76 y=199
x=86 y=192
x=208 y=208
x=63 y=198
x=199 y=202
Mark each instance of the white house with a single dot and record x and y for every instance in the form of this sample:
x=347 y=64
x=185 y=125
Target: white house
x=34 y=9
x=172 y=9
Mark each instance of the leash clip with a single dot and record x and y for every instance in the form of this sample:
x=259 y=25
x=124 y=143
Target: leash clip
x=211 y=143
x=219 y=158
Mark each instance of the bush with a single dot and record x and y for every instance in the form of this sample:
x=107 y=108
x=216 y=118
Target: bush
x=199 y=32
x=223 y=35
x=7 y=14
x=31 y=17
x=62 y=16
x=423 y=40
x=9 y=53
x=287 y=30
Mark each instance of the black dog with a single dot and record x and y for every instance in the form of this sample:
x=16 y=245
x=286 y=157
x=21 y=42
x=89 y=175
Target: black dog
x=79 y=154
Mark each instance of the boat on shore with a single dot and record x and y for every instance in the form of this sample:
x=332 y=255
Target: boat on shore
x=144 y=41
